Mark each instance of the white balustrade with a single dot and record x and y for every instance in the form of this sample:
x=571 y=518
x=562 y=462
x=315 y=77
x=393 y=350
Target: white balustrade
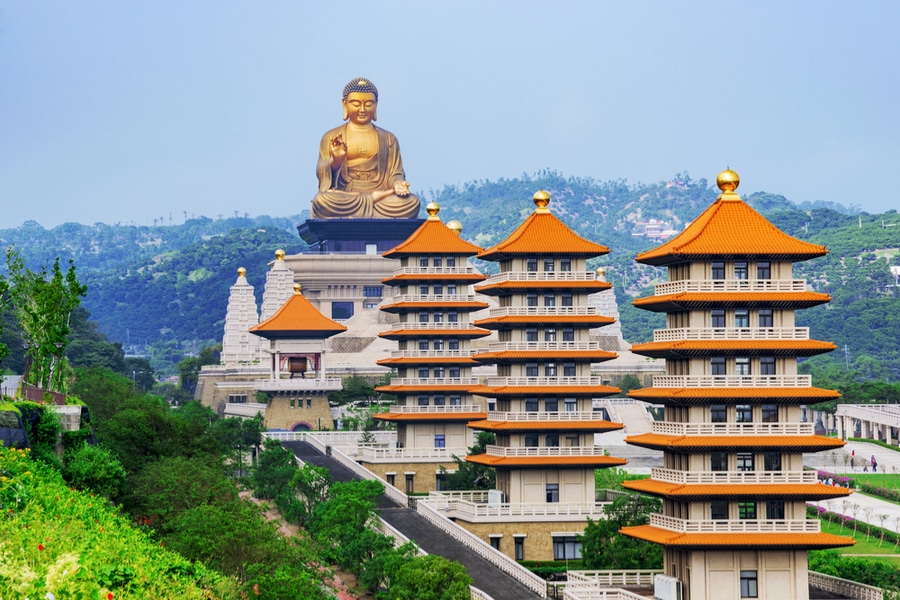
x=799 y=429
x=496 y=415
x=434 y=381
x=543 y=381
x=731 y=333
x=467 y=270
x=543 y=311
x=584 y=591
x=733 y=478
x=444 y=299
x=368 y=453
x=298 y=384
x=844 y=588
x=735 y=526
x=482 y=511
x=442 y=325
x=445 y=408
x=545 y=450
x=541 y=276
x=732 y=381
x=882 y=414
x=542 y=346
x=730 y=285
x=432 y=353
x=634 y=577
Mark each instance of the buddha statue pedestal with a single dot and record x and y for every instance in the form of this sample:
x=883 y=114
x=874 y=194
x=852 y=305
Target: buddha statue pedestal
x=357 y=236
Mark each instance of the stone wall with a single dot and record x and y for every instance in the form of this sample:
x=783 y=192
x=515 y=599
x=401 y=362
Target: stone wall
x=281 y=415
x=538 y=544
x=425 y=479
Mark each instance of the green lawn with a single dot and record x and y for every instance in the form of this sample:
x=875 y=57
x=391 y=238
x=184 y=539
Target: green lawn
x=891 y=480
x=862 y=546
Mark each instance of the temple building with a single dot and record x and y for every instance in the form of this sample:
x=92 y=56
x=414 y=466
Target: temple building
x=543 y=420
x=433 y=303
x=734 y=491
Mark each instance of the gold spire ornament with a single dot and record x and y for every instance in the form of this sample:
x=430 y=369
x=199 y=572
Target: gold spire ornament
x=455 y=226
x=542 y=200
x=433 y=208
x=728 y=181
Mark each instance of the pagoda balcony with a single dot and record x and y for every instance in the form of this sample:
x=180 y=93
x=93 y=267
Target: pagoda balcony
x=297 y=384
x=451 y=325
x=730 y=285
x=735 y=526
x=496 y=415
x=435 y=381
x=461 y=508
x=540 y=276
x=375 y=454
x=732 y=381
x=531 y=451
x=726 y=429
x=543 y=311
x=443 y=408
x=731 y=333
x=542 y=381
x=732 y=477
x=464 y=270
x=447 y=299
x=432 y=353
x=542 y=346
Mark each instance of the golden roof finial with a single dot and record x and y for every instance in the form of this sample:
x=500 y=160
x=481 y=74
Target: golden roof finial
x=433 y=208
x=601 y=273
x=279 y=254
x=728 y=181
x=242 y=272
x=297 y=288
x=541 y=200
x=455 y=226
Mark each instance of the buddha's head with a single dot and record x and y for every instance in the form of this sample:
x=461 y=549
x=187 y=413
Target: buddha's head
x=360 y=100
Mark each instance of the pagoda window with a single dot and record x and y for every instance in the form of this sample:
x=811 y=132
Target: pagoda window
x=565 y=300
x=740 y=270
x=519 y=543
x=439 y=372
x=775 y=509
x=745 y=461
x=439 y=400
x=552 y=492
x=439 y=440
x=717 y=413
x=423 y=317
x=747 y=511
x=717 y=318
x=423 y=261
x=531 y=404
x=453 y=317
x=718 y=510
x=749 y=584
x=570 y=404
x=548 y=265
x=455 y=400
x=438 y=344
x=423 y=290
x=531 y=299
x=568 y=369
x=763 y=270
x=565 y=264
x=765 y=318
x=742 y=319
x=551 y=440
x=451 y=261
x=767 y=365
x=718 y=461
x=438 y=261
x=531 y=370
x=451 y=289
x=423 y=345
x=718 y=270
x=743 y=413
x=568 y=335
x=550 y=370
x=769 y=413
x=566 y=547
x=717 y=365
x=372 y=291
x=531 y=265
x=772 y=461
x=531 y=335
x=549 y=335
x=453 y=372
x=551 y=405
x=742 y=365
x=423 y=372
x=549 y=300
x=453 y=344
x=438 y=317
x=531 y=440
x=438 y=290
x=423 y=400
x=572 y=441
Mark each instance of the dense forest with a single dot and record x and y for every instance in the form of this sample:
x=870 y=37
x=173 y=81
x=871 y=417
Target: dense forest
x=165 y=288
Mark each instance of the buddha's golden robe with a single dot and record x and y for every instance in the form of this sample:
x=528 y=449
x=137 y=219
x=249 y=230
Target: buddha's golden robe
x=347 y=192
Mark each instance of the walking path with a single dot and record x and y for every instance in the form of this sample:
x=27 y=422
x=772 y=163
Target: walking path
x=488 y=578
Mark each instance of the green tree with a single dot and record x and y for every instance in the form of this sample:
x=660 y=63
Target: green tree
x=274 y=470
x=338 y=522
x=430 y=577
x=309 y=487
x=603 y=547
x=96 y=469
x=472 y=476
x=630 y=382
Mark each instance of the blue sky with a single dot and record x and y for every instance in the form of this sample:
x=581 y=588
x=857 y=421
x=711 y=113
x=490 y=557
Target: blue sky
x=133 y=111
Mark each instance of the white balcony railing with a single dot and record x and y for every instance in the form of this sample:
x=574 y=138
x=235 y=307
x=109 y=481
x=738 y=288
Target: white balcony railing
x=444 y=325
x=882 y=414
x=552 y=276
x=542 y=381
x=731 y=333
x=434 y=381
x=432 y=353
x=544 y=311
x=472 y=511
x=447 y=299
x=545 y=451
x=297 y=384
x=541 y=346
x=730 y=285
x=736 y=526
x=730 y=477
x=802 y=429
x=370 y=453
x=732 y=381
x=495 y=415
x=467 y=270
x=459 y=408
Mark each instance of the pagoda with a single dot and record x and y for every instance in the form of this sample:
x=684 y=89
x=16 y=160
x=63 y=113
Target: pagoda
x=543 y=418
x=433 y=301
x=734 y=491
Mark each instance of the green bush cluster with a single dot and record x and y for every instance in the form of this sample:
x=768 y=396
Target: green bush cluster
x=862 y=570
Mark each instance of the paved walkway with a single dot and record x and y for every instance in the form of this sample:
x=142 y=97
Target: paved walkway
x=488 y=578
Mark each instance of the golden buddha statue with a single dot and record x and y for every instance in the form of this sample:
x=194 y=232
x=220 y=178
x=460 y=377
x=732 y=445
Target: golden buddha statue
x=360 y=171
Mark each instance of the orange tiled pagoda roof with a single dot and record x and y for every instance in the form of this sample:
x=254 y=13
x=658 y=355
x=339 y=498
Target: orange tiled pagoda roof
x=708 y=443
x=598 y=426
x=471 y=277
x=543 y=233
x=714 y=235
x=701 y=348
x=426 y=417
x=561 y=319
x=433 y=237
x=752 y=395
x=681 y=491
x=563 y=285
x=531 y=390
x=461 y=332
x=428 y=360
x=717 y=540
x=701 y=300
x=464 y=306
x=541 y=462
x=297 y=318
x=530 y=355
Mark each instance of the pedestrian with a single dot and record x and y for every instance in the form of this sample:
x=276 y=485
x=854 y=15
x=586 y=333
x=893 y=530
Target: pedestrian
x=872 y=461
